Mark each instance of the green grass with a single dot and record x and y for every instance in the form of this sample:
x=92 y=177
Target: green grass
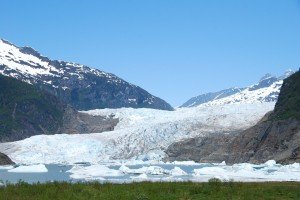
x=147 y=191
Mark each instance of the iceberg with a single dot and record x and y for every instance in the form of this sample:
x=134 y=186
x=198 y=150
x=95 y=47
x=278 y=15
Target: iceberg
x=6 y=167
x=30 y=169
x=92 y=172
x=152 y=170
x=141 y=177
x=177 y=171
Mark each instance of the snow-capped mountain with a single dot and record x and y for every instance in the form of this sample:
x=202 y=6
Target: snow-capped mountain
x=204 y=98
x=266 y=90
x=81 y=86
x=146 y=134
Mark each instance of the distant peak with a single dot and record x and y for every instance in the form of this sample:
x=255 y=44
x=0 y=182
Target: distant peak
x=287 y=74
x=265 y=77
x=29 y=50
x=6 y=42
x=25 y=50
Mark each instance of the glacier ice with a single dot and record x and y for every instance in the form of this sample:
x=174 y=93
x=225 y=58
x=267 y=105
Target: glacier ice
x=141 y=134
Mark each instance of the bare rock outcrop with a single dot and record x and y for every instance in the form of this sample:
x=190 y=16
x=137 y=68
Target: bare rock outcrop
x=5 y=160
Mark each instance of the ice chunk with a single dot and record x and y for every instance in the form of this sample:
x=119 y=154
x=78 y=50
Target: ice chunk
x=177 y=171
x=6 y=167
x=209 y=171
x=124 y=169
x=155 y=170
x=223 y=163
x=270 y=163
x=188 y=163
x=152 y=170
x=141 y=177
x=243 y=166
x=92 y=172
x=30 y=169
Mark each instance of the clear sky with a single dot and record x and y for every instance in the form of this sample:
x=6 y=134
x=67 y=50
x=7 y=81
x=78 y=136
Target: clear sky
x=174 y=49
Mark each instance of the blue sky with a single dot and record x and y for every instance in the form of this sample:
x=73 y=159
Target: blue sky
x=174 y=49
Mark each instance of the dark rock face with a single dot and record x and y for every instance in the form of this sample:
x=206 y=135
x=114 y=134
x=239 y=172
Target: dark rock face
x=5 y=160
x=275 y=137
x=80 y=86
x=26 y=111
x=201 y=149
x=269 y=140
x=76 y=123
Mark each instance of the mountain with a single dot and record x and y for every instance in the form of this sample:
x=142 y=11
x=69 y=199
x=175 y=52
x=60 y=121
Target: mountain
x=25 y=110
x=266 y=90
x=204 y=98
x=80 y=86
x=278 y=136
x=197 y=133
x=275 y=137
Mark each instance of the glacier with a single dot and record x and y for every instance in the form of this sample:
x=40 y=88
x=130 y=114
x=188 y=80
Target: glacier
x=141 y=134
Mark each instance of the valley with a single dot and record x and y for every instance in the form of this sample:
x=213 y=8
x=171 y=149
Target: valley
x=227 y=132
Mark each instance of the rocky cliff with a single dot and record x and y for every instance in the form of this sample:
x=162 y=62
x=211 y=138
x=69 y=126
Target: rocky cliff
x=5 y=160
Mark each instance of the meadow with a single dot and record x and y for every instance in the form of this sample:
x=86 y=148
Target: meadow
x=214 y=189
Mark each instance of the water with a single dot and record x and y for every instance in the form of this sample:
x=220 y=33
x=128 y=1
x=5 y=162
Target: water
x=238 y=172
x=59 y=173
x=55 y=173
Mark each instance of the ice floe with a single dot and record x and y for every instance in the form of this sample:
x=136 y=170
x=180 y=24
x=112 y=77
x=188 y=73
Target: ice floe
x=93 y=172
x=202 y=172
x=177 y=172
x=40 y=168
x=269 y=171
x=6 y=167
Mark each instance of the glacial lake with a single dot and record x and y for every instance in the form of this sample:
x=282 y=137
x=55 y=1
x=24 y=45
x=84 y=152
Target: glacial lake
x=153 y=172
x=58 y=172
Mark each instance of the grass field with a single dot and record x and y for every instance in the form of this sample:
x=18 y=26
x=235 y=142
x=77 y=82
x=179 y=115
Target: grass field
x=146 y=191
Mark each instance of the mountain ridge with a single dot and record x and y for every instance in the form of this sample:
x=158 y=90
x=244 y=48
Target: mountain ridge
x=235 y=94
x=82 y=87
